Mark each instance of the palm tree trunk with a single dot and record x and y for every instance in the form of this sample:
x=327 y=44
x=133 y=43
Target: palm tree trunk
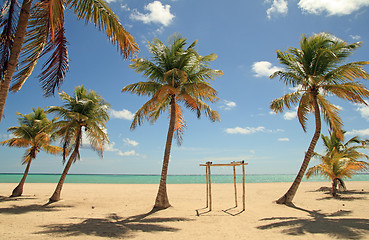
x=162 y=201
x=56 y=195
x=334 y=187
x=290 y=194
x=19 y=189
x=14 y=53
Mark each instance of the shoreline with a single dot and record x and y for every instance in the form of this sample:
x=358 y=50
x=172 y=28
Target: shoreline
x=171 y=179
x=121 y=211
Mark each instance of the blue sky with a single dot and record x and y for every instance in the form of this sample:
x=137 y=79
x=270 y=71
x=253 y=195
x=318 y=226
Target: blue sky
x=245 y=35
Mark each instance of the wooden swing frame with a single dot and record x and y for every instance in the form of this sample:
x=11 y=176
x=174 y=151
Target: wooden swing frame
x=208 y=182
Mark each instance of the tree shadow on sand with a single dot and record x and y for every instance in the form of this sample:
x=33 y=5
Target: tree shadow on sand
x=9 y=199
x=346 y=228
x=344 y=195
x=114 y=226
x=31 y=208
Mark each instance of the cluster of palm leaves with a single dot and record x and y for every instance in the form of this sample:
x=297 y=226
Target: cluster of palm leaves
x=341 y=160
x=85 y=111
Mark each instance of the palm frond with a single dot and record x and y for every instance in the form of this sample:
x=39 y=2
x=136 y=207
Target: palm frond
x=287 y=101
x=305 y=106
x=331 y=116
x=352 y=91
x=98 y=12
x=57 y=65
x=8 y=21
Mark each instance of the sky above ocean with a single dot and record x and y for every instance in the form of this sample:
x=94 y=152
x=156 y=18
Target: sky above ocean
x=245 y=35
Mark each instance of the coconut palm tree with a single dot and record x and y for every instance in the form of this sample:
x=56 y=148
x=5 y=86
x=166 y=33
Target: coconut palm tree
x=341 y=160
x=35 y=132
x=46 y=36
x=316 y=70
x=175 y=75
x=85 y=111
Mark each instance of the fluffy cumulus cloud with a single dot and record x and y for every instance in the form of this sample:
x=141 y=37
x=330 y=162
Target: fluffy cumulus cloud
x=111 y=148
x=364 y=110
x=157 y=13
x=332 y=7
x=128 y=141
x=249 y=130
x=122 y=114
x=264 y=69
x=359 y=132
x=290 y=115
x=228 y=105
x=277 y=7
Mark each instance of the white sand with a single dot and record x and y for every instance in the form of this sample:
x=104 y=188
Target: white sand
x=122 y=211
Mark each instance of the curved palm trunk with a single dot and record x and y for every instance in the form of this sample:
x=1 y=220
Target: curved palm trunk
x=56 y=195
x=19 y=189
x=162 y=201
x=15 y=52
x=290 y=194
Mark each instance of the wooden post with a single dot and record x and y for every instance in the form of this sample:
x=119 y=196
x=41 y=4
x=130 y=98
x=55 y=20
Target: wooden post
x=210 y=202
x=234 y=183
x=243 y=184
x=207 y=186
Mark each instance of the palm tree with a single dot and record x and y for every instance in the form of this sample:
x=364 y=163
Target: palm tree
x=340 y=160
x=316 y=71
x=46 y=36
x=35 y=132
x=87 y=111
x=175 y=74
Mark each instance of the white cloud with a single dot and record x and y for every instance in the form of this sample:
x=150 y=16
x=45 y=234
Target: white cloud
x=283 y=139
x=249 y=130
x=364 y=110
x=360 y=132
x=355 y=37
x=228 y=105
x=290 y=115
x=125 y=7
x=264 y=69
x=128 y=153
x=110 y=148
x=332 y=7
x=158 y=13
x=130 y=142
x=110 y=1
x=122 y=114
x=278 y=7
x=6 y=136
x=338 y=107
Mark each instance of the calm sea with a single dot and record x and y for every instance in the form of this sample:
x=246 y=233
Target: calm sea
x=155 y=179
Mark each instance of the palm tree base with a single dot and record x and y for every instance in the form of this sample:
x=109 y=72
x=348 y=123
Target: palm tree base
x=17 y=192
x=284 y=200
x=161 y=202
x=54 y=198
x=161 y=207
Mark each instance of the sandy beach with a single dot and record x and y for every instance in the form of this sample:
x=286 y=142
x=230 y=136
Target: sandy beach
x=123 y=211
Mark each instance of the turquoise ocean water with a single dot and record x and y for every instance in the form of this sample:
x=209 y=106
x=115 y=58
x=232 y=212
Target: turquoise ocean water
x=155 y=179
